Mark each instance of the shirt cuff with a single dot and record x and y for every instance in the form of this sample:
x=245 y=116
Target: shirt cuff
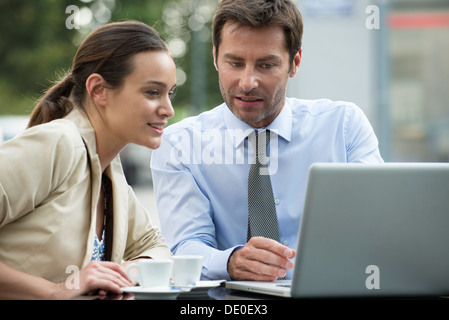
x=215 y=266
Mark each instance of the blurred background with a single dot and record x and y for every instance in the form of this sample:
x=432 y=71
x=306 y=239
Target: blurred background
x=391 y=57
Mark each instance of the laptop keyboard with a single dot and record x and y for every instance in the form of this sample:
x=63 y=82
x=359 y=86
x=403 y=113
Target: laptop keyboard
x=287 y=285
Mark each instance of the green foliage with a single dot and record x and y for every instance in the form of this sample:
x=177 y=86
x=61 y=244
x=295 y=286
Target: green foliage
x=36 y=47
x=34 y=43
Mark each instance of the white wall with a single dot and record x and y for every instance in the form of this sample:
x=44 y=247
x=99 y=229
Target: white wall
x=339 y=54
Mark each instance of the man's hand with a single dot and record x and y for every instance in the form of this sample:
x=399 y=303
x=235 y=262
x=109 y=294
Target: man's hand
x=261 y=259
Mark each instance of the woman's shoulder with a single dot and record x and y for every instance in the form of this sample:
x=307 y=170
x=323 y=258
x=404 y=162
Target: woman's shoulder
x=48 y=150
x=60 y=130
x=58 y=136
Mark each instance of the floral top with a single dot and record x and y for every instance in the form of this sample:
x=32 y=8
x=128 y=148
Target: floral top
x=99 y=252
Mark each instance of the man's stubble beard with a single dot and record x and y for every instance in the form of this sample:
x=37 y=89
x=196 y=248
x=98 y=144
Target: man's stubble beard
x=275 y=107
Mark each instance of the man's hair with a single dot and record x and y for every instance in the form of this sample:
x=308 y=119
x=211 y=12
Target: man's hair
x=260 y=14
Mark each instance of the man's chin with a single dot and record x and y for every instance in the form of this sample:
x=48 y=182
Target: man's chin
x=253 y=121
x=254 y=118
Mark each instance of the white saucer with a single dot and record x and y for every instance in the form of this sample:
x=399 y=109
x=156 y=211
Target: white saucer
x=157 y=293
x=201 y=285
x=198 y=289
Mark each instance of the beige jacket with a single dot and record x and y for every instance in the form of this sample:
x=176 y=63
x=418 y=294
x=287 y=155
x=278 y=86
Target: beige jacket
x=50 y=179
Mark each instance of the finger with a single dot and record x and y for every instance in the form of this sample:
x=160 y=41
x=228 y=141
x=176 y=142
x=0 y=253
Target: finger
x=102 y=293
x=243 y=269
x=116 y=271
x=262 y=269
x=267 y=257
x=246 y=263
x=117 y=268
x=115 y=277
x=99 y=284
x=93 y=277
x=293 y=253
x=105 y=286
x=270 y=258
x=273 y=246
x=247 y=275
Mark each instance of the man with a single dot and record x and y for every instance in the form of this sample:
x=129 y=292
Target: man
x=201 y=170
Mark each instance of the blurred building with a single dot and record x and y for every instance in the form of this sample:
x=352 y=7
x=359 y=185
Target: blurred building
x=11 y=125
x=391 y=57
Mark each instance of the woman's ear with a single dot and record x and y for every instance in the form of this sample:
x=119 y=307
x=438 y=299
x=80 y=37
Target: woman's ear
x=96 y=89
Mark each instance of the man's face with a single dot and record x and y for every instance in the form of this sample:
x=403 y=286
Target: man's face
x=253 y=69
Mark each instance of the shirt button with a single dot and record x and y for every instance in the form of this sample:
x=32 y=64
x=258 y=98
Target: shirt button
x=285 y=242
x=277 y=201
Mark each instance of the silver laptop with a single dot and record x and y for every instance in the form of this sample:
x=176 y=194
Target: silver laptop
x=370 y=230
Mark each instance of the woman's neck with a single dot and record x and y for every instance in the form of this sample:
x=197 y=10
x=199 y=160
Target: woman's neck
x=107 y=146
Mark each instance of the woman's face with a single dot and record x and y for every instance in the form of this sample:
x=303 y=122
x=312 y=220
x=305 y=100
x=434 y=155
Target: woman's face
x=137 y=111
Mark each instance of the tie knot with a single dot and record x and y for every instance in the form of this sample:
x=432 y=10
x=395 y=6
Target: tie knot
x=260 y=141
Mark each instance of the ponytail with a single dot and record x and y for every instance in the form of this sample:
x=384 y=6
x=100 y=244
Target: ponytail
x=54 y=104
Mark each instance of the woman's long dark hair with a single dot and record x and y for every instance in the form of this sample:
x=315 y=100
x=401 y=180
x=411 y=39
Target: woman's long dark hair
x=107 y=51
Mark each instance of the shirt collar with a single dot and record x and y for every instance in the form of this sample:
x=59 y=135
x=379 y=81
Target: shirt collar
x=281 y=125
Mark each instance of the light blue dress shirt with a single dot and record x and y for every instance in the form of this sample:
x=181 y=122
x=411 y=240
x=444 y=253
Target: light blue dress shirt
x=200 y=173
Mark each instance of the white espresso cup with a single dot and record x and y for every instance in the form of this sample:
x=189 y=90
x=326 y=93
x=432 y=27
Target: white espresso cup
x=151 y=273
x=186 y=269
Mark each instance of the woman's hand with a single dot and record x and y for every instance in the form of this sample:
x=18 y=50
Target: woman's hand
x=98 y=277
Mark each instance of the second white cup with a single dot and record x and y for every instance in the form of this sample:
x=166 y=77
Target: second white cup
x=151 y=273
x=186 y=269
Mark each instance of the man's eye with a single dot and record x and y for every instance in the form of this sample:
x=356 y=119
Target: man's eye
x=236 y=64
x=267 y=65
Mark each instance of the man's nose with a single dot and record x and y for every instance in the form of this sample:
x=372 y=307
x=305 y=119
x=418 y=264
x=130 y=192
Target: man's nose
x=249 y=79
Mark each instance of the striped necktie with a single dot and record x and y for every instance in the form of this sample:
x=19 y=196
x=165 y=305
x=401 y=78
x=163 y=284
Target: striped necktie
x=262 y=218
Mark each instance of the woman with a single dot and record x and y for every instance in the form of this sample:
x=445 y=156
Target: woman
x=63 y=195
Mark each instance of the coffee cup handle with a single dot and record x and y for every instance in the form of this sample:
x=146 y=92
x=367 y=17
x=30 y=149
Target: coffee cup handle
x=129 y=273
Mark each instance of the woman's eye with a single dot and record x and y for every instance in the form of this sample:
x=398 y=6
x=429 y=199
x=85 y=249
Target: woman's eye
x=153 y=93
x=171 y=94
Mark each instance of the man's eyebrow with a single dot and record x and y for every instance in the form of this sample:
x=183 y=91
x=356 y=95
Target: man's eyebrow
x=263 y=59
x=232 y=57
x=269 y=58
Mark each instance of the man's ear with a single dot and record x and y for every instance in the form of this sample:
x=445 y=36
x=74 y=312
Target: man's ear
x=296 y=63
x=96 y=89
x=214 y=54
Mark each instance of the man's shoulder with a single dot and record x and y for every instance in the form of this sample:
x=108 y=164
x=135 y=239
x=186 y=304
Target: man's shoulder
x=319 y=107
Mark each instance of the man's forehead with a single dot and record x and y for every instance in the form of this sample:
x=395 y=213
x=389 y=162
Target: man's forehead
x=233 y=26
x=267 y=42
